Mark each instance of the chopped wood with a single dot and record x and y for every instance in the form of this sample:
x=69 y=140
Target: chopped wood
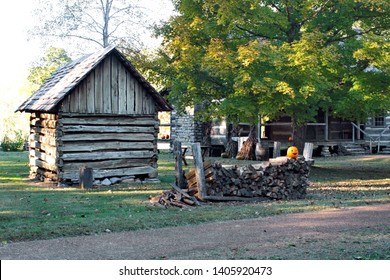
x=175 y=197
x=282 y=178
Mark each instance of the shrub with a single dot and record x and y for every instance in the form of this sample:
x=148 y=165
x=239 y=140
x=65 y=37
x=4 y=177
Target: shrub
x=13 y=144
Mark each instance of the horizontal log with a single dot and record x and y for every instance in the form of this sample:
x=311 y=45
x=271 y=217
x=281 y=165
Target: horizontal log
x=108 y=164
x=107 y=129
x=43 y=156
x=105 y=145
x=110 y=121
x=49 y=149
x=43 y=164
x=108 y=136
x=50 y=132
x=43 y=123
x=106 y=173
x=102 y=115
x=278 y=160
x=106 y=155
x=44 y=116
x=42 y=139
x=231 y=198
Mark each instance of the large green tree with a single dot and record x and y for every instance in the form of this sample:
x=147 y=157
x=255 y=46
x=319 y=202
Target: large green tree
x=14 y=128
x=247 y=58
x=44 y=67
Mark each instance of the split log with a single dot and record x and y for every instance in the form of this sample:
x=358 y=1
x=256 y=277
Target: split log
x=283 y=179
x=175 y=197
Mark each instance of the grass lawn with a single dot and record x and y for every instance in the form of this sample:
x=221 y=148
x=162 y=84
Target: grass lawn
x=31 y=210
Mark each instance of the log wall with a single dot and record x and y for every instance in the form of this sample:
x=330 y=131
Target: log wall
x=43 y=149
x=113 y=146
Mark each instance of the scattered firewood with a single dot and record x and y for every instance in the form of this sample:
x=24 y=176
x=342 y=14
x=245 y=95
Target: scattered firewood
x=174 y=197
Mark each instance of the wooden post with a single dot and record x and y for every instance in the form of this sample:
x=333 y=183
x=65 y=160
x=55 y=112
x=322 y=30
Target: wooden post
x=276 y=152
x=178 y=165
x=308 y=151
x=358 y=131
x=326 y=125
x=199 y=170
x=86 y=177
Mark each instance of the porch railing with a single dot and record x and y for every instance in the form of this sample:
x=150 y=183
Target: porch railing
x=371 y=138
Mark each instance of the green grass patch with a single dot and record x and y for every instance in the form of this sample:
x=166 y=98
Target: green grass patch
x=31 y=210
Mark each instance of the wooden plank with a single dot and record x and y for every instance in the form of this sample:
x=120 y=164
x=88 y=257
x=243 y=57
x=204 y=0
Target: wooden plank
x=114 y=85
x=140 y=99
x=278 y=160
x=179 y=165
x=43 y=146
x=106 y=155
x=65 y=104
x=98 y=89
x=74 y=100
x=44 y=131
x=107 y=164
x=276 y=151
x=48 y=116
x=86 y=177
x=101 y=146
x=90 y=92
x=48 y=149
x=232 y=198
x=107 y=85
x=122 y=94
x=44 y=123
x=82 y=90
x=104 y=173
x=107 y=136
x=42 y=164
x=107 y=129
x=148 y=103
x=43 y=139
x=113 y=121
x=130 y=93
x=137 y=99
x=199 y=169
x=43 y=156
x=308 y=151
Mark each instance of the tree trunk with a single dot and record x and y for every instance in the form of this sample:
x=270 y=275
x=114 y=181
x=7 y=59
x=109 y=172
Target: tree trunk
x=247 y=151
x=299 y=135
x=231 y=146
x=206 y=133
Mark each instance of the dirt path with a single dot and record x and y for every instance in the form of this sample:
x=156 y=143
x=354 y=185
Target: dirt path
x=350 y=233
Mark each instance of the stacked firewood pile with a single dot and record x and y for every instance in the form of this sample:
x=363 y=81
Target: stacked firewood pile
x=288 y=180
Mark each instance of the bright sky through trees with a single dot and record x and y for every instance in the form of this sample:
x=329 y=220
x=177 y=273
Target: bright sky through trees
x=17 y=53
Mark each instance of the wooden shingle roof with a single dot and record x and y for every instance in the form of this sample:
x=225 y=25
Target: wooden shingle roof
x=66 y=78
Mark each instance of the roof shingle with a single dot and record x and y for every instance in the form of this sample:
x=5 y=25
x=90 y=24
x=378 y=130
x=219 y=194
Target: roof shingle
x=66 y=78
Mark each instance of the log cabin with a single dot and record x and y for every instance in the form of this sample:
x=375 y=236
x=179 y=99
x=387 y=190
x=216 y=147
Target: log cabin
x=99 y=112
x=328 y=134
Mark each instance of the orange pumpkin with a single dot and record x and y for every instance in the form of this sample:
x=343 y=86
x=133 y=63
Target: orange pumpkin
x=292 y=152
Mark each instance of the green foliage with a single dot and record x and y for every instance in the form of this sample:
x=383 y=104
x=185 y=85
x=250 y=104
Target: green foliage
x=14 y=127
x=53 y=59
x=244 y=58
x=13 y=142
